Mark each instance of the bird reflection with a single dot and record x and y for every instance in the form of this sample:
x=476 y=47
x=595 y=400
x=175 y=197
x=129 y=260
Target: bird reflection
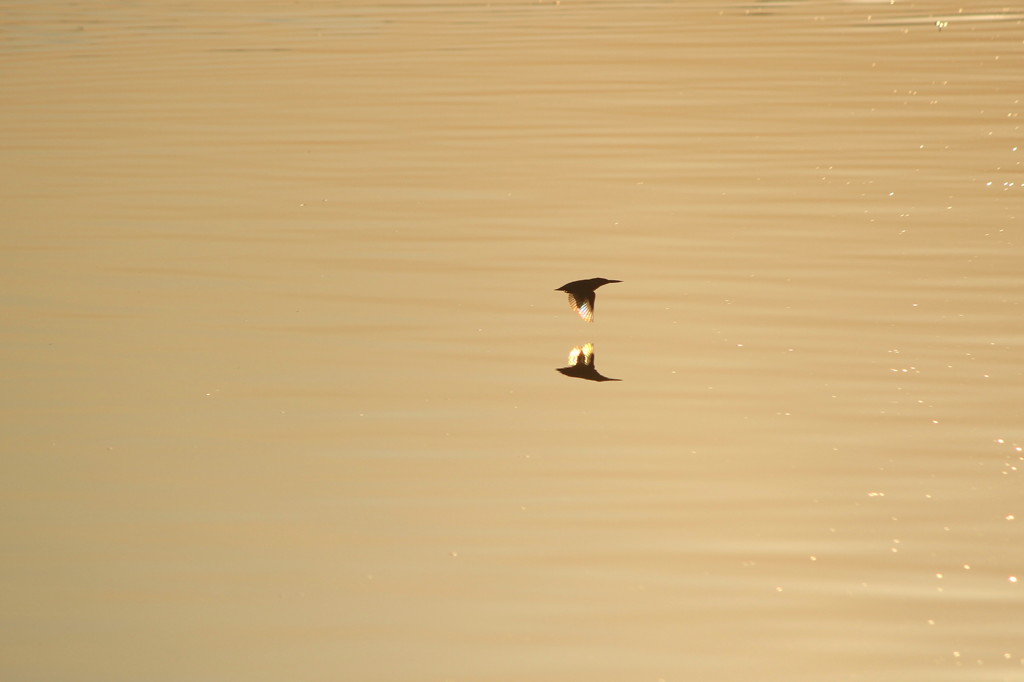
x=581 y=364
x=581 y=295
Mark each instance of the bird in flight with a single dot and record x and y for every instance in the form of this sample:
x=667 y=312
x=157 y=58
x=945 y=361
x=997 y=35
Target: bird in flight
x=581 y=295
x=581 y=364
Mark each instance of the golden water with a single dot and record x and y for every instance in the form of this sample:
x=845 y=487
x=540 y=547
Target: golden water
x=280 y=333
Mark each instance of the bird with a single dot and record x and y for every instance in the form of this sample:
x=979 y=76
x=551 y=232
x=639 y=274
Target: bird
x=581 y=364
x=581 y=295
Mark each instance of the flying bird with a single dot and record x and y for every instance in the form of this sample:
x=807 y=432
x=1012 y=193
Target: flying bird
x=581 y=364
x=581 y=295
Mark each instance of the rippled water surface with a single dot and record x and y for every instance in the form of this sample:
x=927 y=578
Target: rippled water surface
x=280 y=333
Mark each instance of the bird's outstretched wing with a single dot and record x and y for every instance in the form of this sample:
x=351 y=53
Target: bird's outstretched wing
x=583 y=304
x=581 y=364
x=582 y=355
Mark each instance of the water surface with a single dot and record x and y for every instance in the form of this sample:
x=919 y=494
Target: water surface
x=281 y=332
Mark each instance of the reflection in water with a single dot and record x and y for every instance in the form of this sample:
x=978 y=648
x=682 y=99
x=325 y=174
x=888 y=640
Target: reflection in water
x=581 y=364
x=581 y=294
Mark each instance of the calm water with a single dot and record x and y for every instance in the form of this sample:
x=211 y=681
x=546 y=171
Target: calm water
x=280 y=333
